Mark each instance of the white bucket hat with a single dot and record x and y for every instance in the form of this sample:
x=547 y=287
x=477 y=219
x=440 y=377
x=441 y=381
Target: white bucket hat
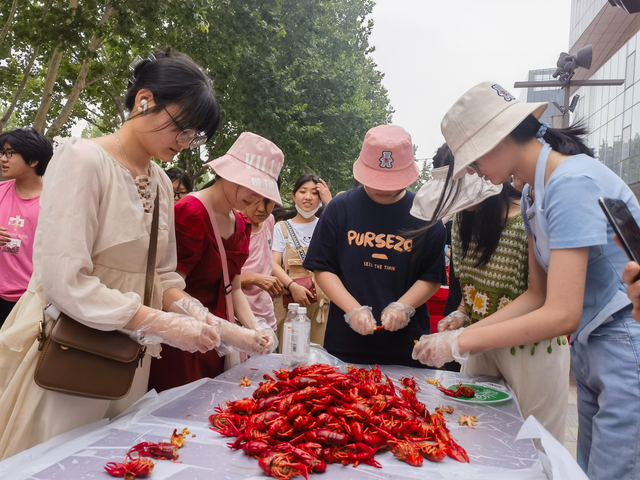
x=473 y=190
x=480 y=119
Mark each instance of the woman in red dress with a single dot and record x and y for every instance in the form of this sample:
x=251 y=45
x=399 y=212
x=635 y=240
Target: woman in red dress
x=244 y=176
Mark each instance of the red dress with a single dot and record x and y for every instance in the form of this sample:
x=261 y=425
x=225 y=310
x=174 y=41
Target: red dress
x=199 y=259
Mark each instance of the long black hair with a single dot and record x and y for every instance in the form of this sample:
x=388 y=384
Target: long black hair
x=484 y=225
x=287 y=213
x=567 y=141
x=175 y=79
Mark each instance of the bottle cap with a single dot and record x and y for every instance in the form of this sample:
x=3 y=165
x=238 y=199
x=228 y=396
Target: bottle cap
x=293 y=306
x=302 y=310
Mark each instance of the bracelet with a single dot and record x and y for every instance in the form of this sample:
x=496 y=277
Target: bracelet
x=290 y=284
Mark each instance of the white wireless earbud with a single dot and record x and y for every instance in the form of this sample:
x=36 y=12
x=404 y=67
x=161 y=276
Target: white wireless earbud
x=143 y=102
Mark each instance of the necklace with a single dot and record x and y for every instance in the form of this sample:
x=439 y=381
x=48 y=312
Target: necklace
x=143 y=182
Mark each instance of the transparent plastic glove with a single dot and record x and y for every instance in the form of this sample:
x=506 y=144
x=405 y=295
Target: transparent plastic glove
x=266 y=332
x=361 y=320
x=194 y=308
x=397 y=316
x=440 y=348
x=180 y=331
x=236 y=338
x=453 y=321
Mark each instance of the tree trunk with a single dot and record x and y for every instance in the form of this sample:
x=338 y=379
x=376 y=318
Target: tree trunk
x=21 y=87
x=52 y=75
x=94 y=43
x=5 y=29
x=47 y=91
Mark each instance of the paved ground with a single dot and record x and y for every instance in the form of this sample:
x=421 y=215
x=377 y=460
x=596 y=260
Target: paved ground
x=571 y=427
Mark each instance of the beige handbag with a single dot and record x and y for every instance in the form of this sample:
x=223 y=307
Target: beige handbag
x=81 y=360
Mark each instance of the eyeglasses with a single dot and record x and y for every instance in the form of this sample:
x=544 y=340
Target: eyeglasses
x=179 y=195
x=195 y=139
x=7 y=153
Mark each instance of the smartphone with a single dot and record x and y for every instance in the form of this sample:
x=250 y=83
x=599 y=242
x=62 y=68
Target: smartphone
x=624 y=225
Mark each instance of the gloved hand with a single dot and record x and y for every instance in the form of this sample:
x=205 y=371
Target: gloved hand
x=266 y=332
x=180 y=331
x=236 y=338
x=396 y=316
x=194 y=308
x=453 y=321
x=439 y=348
x=361 y=320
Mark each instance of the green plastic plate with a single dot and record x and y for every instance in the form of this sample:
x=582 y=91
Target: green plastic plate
x=484 y=394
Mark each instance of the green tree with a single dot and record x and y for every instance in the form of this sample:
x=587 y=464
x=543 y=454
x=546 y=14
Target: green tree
x=424 y=177
x=298 y=73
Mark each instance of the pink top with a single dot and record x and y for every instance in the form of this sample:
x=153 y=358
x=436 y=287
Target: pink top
x=261 y=261
x=20 y=218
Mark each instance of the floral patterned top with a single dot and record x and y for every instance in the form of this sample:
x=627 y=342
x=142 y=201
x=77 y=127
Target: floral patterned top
x=487 y=289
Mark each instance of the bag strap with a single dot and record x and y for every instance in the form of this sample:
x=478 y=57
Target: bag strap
x=296 y=242
x=223 y=257
x=153 y=248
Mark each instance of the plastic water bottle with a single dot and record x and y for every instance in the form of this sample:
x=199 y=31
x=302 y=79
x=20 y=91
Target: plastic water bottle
x=287 y=352
x=300 y=336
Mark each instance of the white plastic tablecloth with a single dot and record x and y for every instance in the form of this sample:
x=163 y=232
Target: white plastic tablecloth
x=492 y=446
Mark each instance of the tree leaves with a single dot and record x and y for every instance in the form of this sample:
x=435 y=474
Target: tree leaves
x=297 y=73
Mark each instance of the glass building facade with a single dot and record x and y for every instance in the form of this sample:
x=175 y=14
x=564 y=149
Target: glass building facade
x=545 y=94
x=612 y=114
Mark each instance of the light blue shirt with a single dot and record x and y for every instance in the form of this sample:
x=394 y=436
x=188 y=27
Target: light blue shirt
x=566 y=214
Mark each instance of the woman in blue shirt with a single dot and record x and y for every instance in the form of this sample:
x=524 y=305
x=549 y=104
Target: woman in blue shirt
x=576 y=284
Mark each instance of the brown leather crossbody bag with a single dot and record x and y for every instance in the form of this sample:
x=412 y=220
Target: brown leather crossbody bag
x=81 y=360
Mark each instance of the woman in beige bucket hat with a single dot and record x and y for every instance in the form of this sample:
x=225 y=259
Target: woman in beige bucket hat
x=575 y=268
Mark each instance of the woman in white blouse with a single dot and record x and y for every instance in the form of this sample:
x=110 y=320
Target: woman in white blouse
x=91 y=248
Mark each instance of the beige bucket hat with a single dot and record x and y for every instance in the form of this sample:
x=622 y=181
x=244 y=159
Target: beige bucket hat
x=480 y=119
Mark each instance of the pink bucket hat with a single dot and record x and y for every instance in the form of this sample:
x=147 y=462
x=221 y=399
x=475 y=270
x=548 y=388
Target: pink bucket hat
x=253 y=162
x=386 y=160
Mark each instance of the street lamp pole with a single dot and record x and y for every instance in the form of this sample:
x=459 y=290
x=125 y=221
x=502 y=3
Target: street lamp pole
x=567 y=64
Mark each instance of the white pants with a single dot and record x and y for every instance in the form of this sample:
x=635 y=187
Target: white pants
x=540 y=382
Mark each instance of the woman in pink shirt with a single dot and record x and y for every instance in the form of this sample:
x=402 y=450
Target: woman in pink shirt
x=24 y=156
x=258 y=283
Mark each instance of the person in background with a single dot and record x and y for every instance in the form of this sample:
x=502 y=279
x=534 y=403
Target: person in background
x=24 y=156
x=575 y=268
x=91 y=247
x=259 y=284
x=366 y=263
x=239 y=183
x=288 y=259
x=181 y=182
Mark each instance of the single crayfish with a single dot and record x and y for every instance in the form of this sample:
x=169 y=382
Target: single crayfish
x=160 y=450
x=131 y=468
x=405 y=451
x=281 y=465
x=461 y=391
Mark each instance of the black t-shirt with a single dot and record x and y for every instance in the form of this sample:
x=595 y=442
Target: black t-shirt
x=364 y=243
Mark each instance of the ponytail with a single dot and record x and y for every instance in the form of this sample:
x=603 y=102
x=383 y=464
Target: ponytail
x=567 y=141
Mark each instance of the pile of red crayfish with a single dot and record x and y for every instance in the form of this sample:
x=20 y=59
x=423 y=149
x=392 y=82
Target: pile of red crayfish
x=302 y=419
x=136 y=463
